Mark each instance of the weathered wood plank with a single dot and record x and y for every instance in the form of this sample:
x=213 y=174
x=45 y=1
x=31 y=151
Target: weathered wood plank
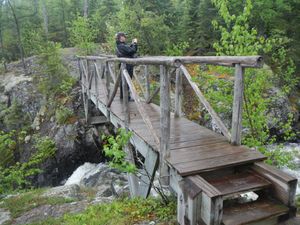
x=139 y=105
x=178 y=93
x=237 y=108
x=165 y=113
x=238 y=183
x=252 y=212
x=213 y=114
x=147 y=80
x=125 y=95
x=283 y=185
x=149 y=100
x=208 y=164
x=150 y=166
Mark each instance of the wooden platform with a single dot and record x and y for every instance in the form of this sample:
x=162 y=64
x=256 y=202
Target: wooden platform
x=194 y=148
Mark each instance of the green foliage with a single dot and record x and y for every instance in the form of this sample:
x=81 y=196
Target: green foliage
x=62 y=114
x=54 y=73
x=82 y=35
x=15 y=177
x=127 y=211
x=114 y=149
x=32 y=41
x=177 y=49
x=14 y=118
x=7 y=148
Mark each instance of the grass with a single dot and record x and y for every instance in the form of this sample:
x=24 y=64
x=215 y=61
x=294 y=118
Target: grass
x=22 y=203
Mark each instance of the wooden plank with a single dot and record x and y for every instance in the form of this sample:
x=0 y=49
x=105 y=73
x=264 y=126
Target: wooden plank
x=150 y=166
x=237 y=108
x=107 y=81
x=165 y=113
x=200 y=142
x=115 y=90
x=147 y=80
x=195 y=167
x=149 y=100
x=206 y=187
x=125 y=96
x=112 y=73
x=283 y=185
x=95 y=120
x=178 y=93
x=238 y=183
x=206 y=104
x=202 y=153
x=139 y=105
x=132 y=178
x=252 y=212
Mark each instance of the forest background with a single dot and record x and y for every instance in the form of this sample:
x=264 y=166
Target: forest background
x=172 y=27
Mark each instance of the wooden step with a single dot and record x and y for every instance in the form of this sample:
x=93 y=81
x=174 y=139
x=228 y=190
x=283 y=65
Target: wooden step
x=259 y=212
x=239 y=183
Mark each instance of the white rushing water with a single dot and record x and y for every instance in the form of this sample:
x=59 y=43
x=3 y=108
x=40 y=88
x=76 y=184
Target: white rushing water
x=85 y=170
x=295 y=148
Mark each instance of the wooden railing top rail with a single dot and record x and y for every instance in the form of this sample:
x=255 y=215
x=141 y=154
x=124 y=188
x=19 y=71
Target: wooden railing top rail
x=244 y=61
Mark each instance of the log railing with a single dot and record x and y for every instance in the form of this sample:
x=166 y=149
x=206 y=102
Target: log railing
x=99 y=68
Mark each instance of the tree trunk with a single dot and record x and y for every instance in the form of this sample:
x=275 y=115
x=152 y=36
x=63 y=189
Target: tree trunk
x=62 y=2
x=45 y=18
x=85 y=8
x=20 y=45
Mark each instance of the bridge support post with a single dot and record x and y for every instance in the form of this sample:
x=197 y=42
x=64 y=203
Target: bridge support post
x=237 y=105
x=147 y=79
x=164 y=124
x=178 y=93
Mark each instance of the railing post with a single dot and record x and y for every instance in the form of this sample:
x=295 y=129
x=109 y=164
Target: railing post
x=164 y=124
x=107 y=80
x=236 y=128
x=147 y=78
x=125 y=96
x=178 y=93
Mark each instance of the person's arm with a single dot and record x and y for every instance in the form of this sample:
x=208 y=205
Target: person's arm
x=128 y=50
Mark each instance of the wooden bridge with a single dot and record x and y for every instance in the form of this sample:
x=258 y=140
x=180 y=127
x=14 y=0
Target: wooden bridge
x=207 y=171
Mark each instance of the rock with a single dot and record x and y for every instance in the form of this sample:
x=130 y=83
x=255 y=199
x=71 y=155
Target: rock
x=27 y=139
x=50 y=211
x=67 y=191
x=4 y=216
x=106 y=181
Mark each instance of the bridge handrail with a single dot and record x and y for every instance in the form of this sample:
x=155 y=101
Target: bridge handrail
x=244 y=61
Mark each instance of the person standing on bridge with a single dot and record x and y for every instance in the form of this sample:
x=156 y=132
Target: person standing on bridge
x=126 y=51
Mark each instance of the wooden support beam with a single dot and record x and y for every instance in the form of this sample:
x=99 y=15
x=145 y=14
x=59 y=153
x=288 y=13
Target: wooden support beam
x=115 y=90
x=213 y=114
x=96 y=120
x=125 y=95
x=107 y=81
x=147 y=80
x=237 y=108
x=150 y=166
x=112 y=73
x=139 y=105
x=165 y=114
x=132 y=178
x=149 y=100
x=178 y=93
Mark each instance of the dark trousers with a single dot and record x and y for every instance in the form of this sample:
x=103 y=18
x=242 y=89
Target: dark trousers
x=129 y=68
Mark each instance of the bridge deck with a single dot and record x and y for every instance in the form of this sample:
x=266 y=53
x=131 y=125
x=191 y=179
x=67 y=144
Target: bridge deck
x=194 y=148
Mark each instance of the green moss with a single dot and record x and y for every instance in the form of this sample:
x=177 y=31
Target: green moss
x=22 y=203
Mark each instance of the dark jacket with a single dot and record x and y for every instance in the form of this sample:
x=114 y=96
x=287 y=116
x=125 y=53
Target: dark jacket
x=125 y=50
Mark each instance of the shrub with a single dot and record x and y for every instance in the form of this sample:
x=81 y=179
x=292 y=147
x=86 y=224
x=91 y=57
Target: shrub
x=62 y=114
x=114 y=149
x=16 y=176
